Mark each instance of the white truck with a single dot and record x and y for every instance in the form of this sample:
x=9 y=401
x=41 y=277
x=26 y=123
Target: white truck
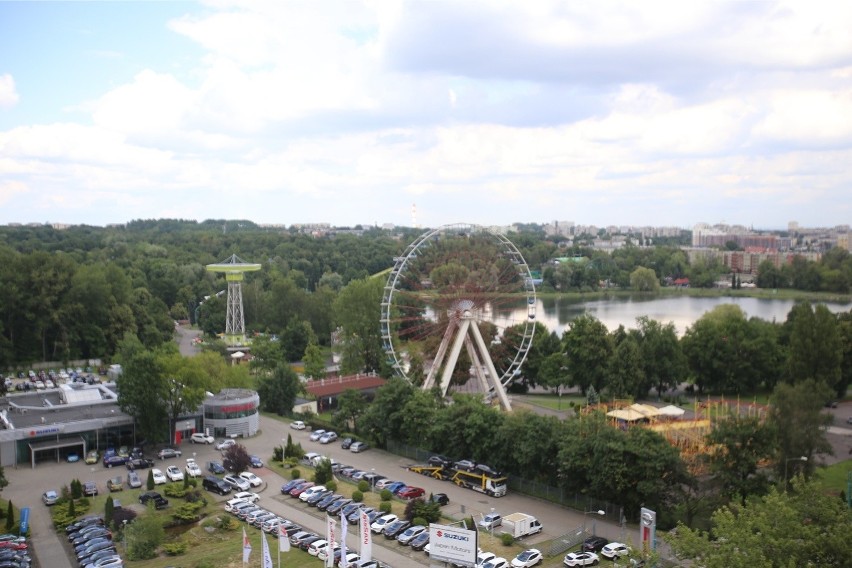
x=520 y=525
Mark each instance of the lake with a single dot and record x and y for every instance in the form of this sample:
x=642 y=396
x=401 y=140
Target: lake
x=557 y=313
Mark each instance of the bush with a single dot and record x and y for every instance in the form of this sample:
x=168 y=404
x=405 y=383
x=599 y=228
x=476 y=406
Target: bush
x=144 y=536
x=507 y=539
x=420 y=521
x=385 y=507
x=323 y=472
x=175 y=548
x=357 y=496
x=386 y=495
x=295 y=474
x=174 y=490
x=363 y=486
x=331 y=485
x=278 y=454
x=187 y=513
x=228 y=523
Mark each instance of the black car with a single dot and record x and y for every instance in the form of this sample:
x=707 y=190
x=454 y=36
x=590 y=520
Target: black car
x=90 y=488
x=166 y=453
x=594 y=544
x=139 y=463
x=212 y=483
x=439 y=460
x=325 y=499
x=335 y=507
x=420 y=541
x=112 y=461
x=85 y=521
x=306 y=542
x=215 y=467
x=395 y=528
x=346 y=443
x=160 y=502
x=440 y=498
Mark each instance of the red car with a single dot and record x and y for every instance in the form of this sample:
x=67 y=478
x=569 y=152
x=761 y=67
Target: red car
x=299 y=489
x=411 y=493
x=14 y=545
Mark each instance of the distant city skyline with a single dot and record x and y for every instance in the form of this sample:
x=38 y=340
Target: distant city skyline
x=427 y=112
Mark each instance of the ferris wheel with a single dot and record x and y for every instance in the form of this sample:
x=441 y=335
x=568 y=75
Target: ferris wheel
x=459 y=286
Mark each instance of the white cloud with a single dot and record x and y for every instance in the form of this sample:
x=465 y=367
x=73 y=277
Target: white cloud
x=8 y=96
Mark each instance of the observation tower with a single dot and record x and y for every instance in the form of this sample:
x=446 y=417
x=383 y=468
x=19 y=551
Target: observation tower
x=235 y=325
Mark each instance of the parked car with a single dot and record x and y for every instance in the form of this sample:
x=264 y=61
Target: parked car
x=133 y=480
x=159 y=501
x=174 y=473
x=410 y=533
x=306 y=494
x=92 y=457
x=215 y=467
x=337 y=505
x=394 y=529
x=247 y=496
x=581 y=559
x=237 y=482
x=346 y=443
x=411 y=493
x=613 y=550
x=497 y=562
x=297 y=425
x=291 y=484
x=328 y=438
x=439 y=460
x=527 y=558
x=252 y=479
x=166 y=453
x=159 y=476
x=50 y=497
x=114 y=460
x=192 y=469
x=379 y=524
x=440 y=498
x=115 y=484
x=594 y=544
x=139 y=463
x=225 y=444
x=316 y=435
x=90 y=488
x=491 y=521
x=358 y=447
x=201 y=438
x=299 y=489
x=255 y=461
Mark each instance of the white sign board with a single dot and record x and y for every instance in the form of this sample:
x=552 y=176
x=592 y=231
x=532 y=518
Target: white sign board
x=452 y=544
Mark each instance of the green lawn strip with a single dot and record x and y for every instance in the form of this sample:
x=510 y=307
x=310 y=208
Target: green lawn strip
x=553 y=401
x=833 y=478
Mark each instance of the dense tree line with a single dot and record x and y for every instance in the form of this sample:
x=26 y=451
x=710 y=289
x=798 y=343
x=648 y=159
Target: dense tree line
x=75 y=293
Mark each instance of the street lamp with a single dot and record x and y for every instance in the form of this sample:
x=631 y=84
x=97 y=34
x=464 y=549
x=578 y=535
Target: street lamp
x=600 y=512
x=372 y=479
x=788 y=460
x=124 y=534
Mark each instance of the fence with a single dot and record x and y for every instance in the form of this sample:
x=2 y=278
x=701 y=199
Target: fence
x=579 y=502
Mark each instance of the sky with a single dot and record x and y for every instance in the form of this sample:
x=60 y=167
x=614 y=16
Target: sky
x=427 y=112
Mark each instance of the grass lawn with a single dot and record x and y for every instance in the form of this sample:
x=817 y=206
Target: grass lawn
x=555 y=402
x=833 y=478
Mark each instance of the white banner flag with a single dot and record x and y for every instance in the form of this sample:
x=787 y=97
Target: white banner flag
x=365 y=537
x=283 y=539
x=343 y=562
x=246 y=547
x=330 y=537
x=264 y=547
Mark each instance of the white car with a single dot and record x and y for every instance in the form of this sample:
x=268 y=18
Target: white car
x=483 y=557
x=237 y=482
x=379 y=524
x=174 y=473
x=226 y=443
x=247 y=496
x=498 y=562
x=253 y=480
x=192 y=469
x=615 y=549
x=527 y=558
x=311 y=491
x=201 y=438
x=316 y=435
x=581 y=559
x=232 y=503
x=298 y=425
x=159 y=477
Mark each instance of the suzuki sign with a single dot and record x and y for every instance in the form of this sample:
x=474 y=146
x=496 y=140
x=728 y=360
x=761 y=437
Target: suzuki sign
x=452 y=544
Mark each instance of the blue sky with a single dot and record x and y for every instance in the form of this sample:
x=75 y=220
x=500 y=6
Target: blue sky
x=651 y=113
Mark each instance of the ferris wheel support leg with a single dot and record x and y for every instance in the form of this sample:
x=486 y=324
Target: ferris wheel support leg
x=477 y=364
x=447 y=375
x=492 y=372
x=439 y=357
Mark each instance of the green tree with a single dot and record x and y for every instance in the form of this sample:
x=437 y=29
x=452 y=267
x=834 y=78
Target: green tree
x=797 y=417
x=768 y=275
x=663 y=360
x=357 y=309
x=3 y=481
x=742 y=445
x=385 y=418
x=109 y=509
x=278 y=392
x=323 y=472
x=644 y=280
x=314 y=362
x=802 y=527
x=144 y=535
x=587 y=347
x=351 y=404
x=266 y=353
x=815 y=351
x=149 y=483
x=625 y=370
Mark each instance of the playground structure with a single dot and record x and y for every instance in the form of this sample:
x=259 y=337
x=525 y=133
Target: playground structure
x=686 y=433
x=235 y=326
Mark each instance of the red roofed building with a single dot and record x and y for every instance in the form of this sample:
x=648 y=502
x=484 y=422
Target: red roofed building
x=327 y=390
